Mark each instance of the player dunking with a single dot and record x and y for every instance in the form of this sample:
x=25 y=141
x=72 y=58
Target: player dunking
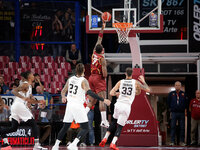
x=77 y=86
x=20 y=111
x=97 y=79
x=128 y=88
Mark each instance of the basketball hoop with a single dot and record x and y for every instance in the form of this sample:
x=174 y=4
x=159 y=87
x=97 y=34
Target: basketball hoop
x=123 y=29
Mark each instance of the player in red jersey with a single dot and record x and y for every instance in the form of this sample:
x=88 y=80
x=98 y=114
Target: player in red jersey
x=97 y=79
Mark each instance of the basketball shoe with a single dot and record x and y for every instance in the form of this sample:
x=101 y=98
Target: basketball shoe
x=38 y=147
x=72 y=147
x=55 y=147
x=113 y=146
x=103 y=142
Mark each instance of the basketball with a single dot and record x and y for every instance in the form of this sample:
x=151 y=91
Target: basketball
x=106 y=16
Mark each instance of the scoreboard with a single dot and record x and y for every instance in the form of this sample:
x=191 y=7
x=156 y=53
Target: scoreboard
x=175 y=19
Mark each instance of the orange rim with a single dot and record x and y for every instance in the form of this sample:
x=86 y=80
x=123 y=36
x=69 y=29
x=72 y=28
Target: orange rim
x=122 y=25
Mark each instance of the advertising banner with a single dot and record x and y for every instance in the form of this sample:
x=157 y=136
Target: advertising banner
x=194 y=26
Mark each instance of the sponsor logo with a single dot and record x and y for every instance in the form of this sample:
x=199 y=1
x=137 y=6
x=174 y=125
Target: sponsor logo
x=138 y=123
x=196 y=22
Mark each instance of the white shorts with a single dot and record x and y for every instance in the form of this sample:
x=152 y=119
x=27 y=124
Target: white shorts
x=19 y=111
x=75 y=111
x=121 y=112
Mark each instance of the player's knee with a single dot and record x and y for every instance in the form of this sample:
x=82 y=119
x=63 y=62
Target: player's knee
x=66 y=126
x=85 y=126
x=113 y=125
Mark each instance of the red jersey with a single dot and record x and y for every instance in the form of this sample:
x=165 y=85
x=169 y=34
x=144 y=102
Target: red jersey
x=96 y=67
x=195 y=109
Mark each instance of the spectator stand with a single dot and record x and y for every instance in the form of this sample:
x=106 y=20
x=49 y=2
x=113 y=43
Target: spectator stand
x=53 y=73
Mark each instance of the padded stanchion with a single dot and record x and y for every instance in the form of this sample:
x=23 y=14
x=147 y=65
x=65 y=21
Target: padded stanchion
x=141 y=129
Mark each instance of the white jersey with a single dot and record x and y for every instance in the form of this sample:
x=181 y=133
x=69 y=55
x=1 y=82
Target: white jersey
x=19 y=109
x=75 y=91
x=27 y=94
x=127 y=91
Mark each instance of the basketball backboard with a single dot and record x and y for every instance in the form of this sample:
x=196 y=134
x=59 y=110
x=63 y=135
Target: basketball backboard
x=144 y=14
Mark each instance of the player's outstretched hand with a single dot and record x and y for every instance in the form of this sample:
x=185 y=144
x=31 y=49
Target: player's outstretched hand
x=107 y=102
x=141 y=78
x=64 y=100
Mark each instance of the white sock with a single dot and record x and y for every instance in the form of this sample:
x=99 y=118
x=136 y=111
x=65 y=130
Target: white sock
x=103 y=116
x=107 y=135
x=87 y=109
x=75 y=142
x=5 y=140
x=57 y=142
x=36 y=141
x=114 y=139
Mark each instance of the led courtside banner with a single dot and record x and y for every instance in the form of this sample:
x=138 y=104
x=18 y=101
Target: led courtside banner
x=194 y=25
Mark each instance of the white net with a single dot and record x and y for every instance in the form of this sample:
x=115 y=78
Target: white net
x=123 y=30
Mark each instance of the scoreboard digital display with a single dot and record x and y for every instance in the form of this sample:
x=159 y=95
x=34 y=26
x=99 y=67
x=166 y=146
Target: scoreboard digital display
x=175 y=19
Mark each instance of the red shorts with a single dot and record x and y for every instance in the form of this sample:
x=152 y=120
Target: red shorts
x=97 y=83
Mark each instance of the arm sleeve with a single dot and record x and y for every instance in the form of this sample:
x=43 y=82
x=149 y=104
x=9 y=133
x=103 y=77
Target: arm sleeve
x=95 y=96
x=99 y=41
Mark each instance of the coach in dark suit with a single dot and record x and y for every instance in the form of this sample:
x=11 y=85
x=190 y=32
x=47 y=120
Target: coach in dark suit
x=177 y=101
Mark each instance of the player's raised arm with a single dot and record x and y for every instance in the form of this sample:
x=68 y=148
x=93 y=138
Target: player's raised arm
x=104 y=67
x=100 y=36
x=64 y=91
x=144 y=85
x=114 y=89
x=86 y=87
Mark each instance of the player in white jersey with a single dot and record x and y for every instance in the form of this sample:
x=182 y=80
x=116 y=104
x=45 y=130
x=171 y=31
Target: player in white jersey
x=21 y=112
x=77 y=87
x=128 y=88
